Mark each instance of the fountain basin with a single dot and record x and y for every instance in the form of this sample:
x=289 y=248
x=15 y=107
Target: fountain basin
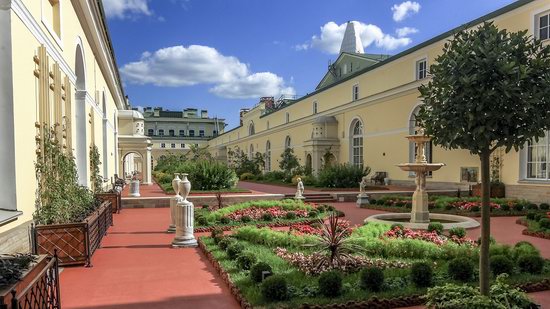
x=420 y=167
x=448 y=221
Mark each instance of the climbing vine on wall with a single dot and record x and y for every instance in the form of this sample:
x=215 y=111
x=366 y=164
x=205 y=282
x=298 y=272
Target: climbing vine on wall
x=59 y=197
x=95 y=176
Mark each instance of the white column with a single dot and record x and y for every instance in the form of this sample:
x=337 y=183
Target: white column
x=147 y=167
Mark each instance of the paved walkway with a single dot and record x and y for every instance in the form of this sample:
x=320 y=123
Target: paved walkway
x=137 y=268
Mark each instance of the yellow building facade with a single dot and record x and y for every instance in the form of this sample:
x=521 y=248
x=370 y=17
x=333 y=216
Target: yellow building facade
x=363 y=116
x=57 y=67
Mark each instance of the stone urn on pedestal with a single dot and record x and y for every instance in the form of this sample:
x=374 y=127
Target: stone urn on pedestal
x=173 y=201
x=184 y=212
x=420 y=167
x=134 y=188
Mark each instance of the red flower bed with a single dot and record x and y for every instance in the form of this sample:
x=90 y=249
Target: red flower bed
x=256 y=213
x=467 y=206
x=398 y=232
x=306 y=229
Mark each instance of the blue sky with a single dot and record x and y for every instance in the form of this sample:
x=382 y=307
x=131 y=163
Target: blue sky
x=222 y=55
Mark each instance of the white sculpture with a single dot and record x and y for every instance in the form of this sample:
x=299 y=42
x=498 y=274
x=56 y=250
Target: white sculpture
x=363 y=198
x=183 y=218
x=173 y=201
x=299 y=190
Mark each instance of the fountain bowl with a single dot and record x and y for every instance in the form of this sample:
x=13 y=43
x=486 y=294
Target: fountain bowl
x=420 y=167
x=451 y=221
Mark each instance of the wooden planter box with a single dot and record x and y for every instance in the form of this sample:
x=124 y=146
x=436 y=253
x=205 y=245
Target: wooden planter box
x=38 y=288
x=75 y=243
x=497 y=190
x=114 y=198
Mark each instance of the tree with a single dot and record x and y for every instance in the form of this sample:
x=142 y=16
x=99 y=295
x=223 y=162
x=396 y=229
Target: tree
x=490 y=88
x=289 y=162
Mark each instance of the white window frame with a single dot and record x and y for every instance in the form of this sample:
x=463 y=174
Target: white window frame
x=48 y=25
x=355 y=92
x=162 y=145
x=417 y=70
x=161 y=132
x=182 y=145
x=151 y=131
x=356 y=142
x=543 y=148
x=545 y=11
x=181 y=132
x=172 y=145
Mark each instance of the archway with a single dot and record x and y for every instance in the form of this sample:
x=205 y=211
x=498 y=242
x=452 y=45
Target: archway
x=80 y=118
x=132 y=164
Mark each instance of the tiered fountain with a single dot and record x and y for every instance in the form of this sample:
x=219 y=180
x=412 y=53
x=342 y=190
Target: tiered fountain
x=420 y=217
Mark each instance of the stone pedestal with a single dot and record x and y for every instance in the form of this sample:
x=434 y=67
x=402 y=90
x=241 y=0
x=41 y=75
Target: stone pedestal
x=419 y=212
x=134 y=188
x=184 y=225
x=173 y=202
x=362 y=200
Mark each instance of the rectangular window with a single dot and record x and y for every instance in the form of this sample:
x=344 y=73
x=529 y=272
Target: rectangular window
x=287 y=118
x=201 y=133
x=538 y=155
x=150 y=132
x=355 y=92
x=191 y=133
x=182 y=132
x=182 y=145
x=315 y=107
x=161 y=132
x=215 y=133
x=421 y=69
x=543 y=26
x=162 y=145
x=172 y=145
x=171 y=132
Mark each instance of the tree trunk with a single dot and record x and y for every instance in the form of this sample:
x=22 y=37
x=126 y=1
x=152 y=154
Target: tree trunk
x=484 y=276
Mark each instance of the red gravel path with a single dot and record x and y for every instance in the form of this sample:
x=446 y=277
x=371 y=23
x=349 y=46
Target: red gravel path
x=137 y=268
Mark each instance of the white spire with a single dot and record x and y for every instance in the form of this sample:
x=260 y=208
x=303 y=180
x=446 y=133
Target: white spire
x=352 y=41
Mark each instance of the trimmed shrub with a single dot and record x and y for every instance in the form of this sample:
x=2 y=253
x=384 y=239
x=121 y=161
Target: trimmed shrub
x=474 y=209
x=544 y=206
x=234 y=250
x=267 y=217
x=401 y=227
x=201 y=221
x=371 y=279
x=312 y=213
x=422 y=274
x=380 y=202
x=257 y=269
x=291 y=215
x=501 y=264
x=461 y=269
x=449 y=207
x=246 y=219
x=524 y=248
x=246 y=176
x=532 y=206
x=459 y=232
x=205 y=206
x=491 y=240
x=274 y=288
x=330 y=283
x=538 y=216
x=341 y=175
x=216 y=234
x=225 y=220
x=373 y=201
x=435 y=227
x=246 y=260
x=505 y=207
x=225 y=242
x=530 y=215
x=544 y=223
x=518 y=207
x=531 y=263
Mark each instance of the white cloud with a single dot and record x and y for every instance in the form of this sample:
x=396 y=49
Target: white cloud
x=126 y=8
x=332 y=34
x=405 y=9
x=178 y=66
x=403 y=32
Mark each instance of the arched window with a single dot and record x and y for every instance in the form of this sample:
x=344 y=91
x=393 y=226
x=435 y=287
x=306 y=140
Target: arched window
x=356 y=142
x=251 y=152
x=251 y=130
x=314 y=107
x=287 y=142
x=287 y=118
x=268 y=156
x=413 y=129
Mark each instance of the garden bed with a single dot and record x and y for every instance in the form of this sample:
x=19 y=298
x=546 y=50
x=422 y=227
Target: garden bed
x=240 y=257
x=280 y=213
x=535 y=227
x=36 y=287
x=114 y=198
x=74 y=243
x=468 y=206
